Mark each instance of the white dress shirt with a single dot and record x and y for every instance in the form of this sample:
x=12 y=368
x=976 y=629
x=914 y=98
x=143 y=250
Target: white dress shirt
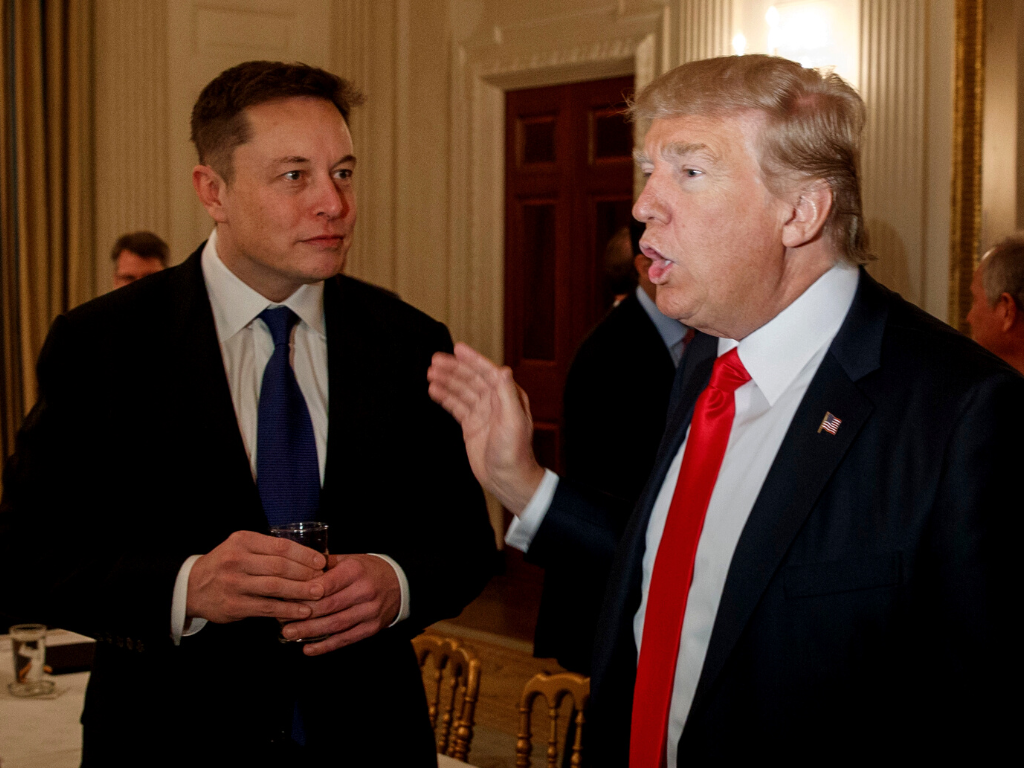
x=246 y=346
x=781 y=357
x=672 y=331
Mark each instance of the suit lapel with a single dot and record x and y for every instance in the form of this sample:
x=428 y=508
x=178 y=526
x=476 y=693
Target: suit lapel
x=805 y=462
x=204 y=386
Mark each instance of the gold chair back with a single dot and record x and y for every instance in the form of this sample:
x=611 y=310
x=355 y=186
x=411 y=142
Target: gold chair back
x=554 y=688
x=451 y=677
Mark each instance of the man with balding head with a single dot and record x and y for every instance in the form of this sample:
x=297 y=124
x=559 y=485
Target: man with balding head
x=820 y=567
x=997 y=309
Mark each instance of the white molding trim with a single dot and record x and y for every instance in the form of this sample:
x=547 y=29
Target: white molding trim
x=589 y=46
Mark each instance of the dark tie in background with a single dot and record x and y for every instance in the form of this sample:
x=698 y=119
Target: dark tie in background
x=673 y=565
x=287 y=470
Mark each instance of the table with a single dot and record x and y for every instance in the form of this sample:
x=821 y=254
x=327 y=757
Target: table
x=45 y=732
x=42 y=732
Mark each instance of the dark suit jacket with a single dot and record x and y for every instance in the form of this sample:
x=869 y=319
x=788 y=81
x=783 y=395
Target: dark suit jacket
x=616 y=400
x=868 y=606
x=132 y=460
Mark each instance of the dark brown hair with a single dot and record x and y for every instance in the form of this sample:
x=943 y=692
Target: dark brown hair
x=813 y=123
x=219 y=123
x=144 y=244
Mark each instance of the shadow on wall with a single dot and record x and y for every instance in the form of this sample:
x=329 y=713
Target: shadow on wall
x=890 y=266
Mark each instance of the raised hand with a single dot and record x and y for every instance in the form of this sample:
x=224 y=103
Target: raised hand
x=250 y=574
x=494 y=413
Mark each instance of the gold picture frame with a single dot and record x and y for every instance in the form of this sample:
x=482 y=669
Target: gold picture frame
x=968 y=102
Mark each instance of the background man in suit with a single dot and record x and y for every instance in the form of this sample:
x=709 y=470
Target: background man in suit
x=136 y=255
x=826 y=574
x=997 y=309
x=172 y=569
x=615 y=403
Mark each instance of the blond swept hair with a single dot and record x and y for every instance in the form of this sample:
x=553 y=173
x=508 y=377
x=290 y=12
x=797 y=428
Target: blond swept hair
x=812 y=127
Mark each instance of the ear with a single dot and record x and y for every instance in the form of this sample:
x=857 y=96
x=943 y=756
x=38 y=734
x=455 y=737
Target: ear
x=1006 y=308
x=808 y=214
x=210 y=188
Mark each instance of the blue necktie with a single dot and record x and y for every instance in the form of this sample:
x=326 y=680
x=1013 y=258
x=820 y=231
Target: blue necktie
x=287 y=470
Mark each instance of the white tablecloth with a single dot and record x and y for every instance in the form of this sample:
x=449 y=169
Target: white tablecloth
x=42 y=732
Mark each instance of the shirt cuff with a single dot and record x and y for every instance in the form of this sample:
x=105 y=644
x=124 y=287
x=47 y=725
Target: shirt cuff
x=179 y=601
x=524 y=528
x=403 y=582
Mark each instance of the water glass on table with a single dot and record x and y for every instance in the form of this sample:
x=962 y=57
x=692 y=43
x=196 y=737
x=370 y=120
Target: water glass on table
x=28 y=642
x=310 y=534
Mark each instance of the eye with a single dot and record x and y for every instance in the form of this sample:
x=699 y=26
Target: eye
x=692 y=173
x=293 y=175
x=343 y=173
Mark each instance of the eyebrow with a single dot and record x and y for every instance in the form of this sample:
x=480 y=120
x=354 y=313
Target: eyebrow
x=679 y=150
x=293 y=159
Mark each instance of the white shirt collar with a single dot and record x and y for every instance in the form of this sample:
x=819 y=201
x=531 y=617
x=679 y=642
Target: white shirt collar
x=671 y=331
x=776 y=352
x=235 y=304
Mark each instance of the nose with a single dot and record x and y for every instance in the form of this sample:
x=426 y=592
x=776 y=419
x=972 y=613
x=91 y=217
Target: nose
x=331 y=201
x=648 y=206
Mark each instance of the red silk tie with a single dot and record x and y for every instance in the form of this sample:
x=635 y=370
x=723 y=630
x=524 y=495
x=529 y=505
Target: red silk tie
x=673 y=565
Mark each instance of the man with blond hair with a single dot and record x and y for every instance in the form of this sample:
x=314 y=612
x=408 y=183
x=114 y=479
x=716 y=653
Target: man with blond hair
x=997 y=309
x=819 y=568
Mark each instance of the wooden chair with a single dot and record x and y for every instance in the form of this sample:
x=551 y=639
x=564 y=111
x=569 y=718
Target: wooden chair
x=452 y=682
x=554 y=688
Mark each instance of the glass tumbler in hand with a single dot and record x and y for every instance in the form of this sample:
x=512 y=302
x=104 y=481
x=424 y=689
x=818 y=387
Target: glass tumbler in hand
x=309 y=534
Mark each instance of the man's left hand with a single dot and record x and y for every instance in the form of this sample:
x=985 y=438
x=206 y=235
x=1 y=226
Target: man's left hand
x=361 y=597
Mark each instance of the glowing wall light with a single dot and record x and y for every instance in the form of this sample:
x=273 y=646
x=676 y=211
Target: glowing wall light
x=816 y=33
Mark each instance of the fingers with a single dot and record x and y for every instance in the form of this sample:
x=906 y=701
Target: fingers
x=340 y=640
x=362 y=597
x=365 y=614
x=261 y=544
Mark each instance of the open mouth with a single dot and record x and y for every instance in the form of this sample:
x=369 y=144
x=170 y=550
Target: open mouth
x=660 y=266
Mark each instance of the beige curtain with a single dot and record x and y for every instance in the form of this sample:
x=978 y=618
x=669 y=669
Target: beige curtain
x=46 y=263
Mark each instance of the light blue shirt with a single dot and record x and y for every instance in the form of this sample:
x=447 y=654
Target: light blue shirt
x=672 y=332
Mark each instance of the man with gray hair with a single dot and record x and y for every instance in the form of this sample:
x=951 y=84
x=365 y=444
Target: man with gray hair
x=997 y=309
x=821 y=565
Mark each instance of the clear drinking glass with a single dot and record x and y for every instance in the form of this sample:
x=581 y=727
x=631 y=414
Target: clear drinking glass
x=28 y=642
x=310 y=534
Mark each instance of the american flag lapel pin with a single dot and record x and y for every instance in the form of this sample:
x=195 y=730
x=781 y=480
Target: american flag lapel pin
x=830 y=424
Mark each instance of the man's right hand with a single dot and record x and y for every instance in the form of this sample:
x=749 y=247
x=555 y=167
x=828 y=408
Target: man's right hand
x=251 y=574
x=495 y=416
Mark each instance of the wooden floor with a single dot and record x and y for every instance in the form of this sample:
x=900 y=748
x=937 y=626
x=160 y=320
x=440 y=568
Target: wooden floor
x=499 y=626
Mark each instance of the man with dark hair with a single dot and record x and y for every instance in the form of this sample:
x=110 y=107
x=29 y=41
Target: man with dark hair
x=287 y=392
x=822 y=567
x=614 y=408
x=997 y=309
x=136 y=255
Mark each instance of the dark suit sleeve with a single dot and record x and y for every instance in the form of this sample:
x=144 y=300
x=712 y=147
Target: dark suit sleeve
x=581 y=526
x=66 y=546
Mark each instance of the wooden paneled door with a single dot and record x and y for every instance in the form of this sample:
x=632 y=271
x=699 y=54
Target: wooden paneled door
x=568 y=188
